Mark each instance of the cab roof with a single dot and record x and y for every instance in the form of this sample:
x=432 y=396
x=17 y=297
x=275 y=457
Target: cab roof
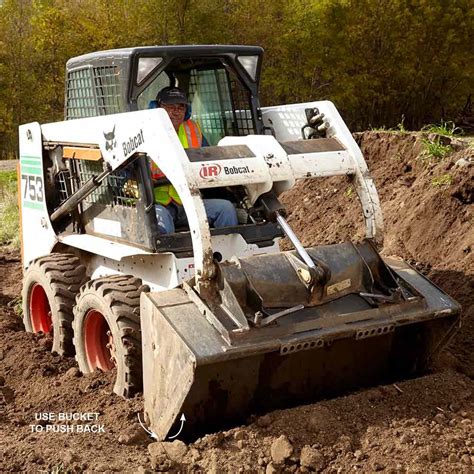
x=166 y=52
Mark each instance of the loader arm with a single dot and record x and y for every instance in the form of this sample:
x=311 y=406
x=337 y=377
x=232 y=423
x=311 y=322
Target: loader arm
x=283 y=119
x=258 y=163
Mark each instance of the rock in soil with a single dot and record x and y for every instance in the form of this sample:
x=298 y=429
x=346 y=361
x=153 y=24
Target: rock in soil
x=264 y=421
x=158 y=457
x=281 y=449
x=271 y=469
x=175 y=450
x=312 y=458
x=72 y=373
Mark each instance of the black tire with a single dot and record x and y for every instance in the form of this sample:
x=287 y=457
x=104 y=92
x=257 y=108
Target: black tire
x=50 y=286
x=107 y=330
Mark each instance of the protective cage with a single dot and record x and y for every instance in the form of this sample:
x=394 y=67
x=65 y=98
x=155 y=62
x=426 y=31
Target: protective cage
x=227 y=111
x=226 y=78
x=93 y=91
x=115 y=208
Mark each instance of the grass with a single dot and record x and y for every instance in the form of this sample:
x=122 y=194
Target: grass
x=435 y=149
x=17 y=305
x=399 y=128
x=9 y=229
x=349 y=192
x=447 y=129
x=7 y=178
x=443 y=180
x=383 y=128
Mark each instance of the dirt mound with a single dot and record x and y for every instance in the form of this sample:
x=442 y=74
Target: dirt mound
x=415 y=426
x=428 y=209
x=426 y=202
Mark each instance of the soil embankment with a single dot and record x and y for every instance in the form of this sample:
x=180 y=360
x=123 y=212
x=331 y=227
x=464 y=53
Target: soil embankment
x=421 y=425
x=428 y=209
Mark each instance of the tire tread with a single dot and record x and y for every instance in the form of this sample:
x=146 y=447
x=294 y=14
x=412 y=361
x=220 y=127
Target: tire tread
x=64 y=274
x=121 y=294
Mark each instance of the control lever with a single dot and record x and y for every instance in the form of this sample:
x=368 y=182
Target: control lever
x=318 y=127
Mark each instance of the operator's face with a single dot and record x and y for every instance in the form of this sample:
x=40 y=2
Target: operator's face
x=176 y=113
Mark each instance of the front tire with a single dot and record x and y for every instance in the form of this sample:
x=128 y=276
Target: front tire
x=107 y=330
x=50 y=286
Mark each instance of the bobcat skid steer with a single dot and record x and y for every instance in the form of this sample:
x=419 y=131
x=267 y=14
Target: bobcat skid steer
x=210 y=323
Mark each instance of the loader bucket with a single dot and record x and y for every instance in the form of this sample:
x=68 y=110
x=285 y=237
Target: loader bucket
x=202 y=364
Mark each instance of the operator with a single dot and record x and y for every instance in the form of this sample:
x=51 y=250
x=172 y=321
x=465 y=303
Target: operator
x=168 y=206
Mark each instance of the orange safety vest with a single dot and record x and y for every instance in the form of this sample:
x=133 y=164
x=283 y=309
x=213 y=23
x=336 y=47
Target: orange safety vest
x=190 y=136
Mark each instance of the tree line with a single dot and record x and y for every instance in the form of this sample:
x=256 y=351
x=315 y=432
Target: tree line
x=379 y=61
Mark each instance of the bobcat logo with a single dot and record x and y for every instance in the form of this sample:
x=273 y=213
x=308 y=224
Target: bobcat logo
x=110 y=142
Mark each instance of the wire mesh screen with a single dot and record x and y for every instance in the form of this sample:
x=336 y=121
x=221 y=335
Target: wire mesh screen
x=80 y=94
x=242 y=120
x=220 y=105
x=118 y=189
x=107 y=85
x=93 y=91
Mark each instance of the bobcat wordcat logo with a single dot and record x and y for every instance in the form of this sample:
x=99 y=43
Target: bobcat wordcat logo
x=133 y=143
x=211 y=171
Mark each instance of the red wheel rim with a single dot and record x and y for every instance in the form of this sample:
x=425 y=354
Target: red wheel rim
x=98 y=341
x=40 y=311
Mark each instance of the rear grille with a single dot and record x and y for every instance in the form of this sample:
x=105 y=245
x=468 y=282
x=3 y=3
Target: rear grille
x=93 y=91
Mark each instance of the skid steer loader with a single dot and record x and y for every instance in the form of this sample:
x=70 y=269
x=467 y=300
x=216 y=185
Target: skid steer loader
x=211 y=323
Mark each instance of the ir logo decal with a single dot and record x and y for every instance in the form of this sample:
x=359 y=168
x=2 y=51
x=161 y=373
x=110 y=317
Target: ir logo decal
x=210 y=171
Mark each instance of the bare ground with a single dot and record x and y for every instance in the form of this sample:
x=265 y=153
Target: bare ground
x=8 y=165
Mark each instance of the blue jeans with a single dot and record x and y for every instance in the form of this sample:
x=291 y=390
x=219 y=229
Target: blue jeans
x=220 y=213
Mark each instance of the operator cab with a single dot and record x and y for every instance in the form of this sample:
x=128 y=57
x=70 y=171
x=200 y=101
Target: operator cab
x=220 y=101
x=221 y=83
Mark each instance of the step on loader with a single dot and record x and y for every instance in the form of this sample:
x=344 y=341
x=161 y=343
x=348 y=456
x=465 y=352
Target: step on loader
x=212 y=323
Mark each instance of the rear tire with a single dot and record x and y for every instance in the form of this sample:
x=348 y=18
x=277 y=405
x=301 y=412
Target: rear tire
x=50 y=286
x=107 y=330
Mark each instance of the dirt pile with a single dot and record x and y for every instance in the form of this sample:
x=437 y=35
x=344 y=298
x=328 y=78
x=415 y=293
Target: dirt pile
x=418 y=425
x=428 y=209
x=414 y=426
x=426 y=202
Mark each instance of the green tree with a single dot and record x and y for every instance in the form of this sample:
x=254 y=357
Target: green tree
x=377 y=60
